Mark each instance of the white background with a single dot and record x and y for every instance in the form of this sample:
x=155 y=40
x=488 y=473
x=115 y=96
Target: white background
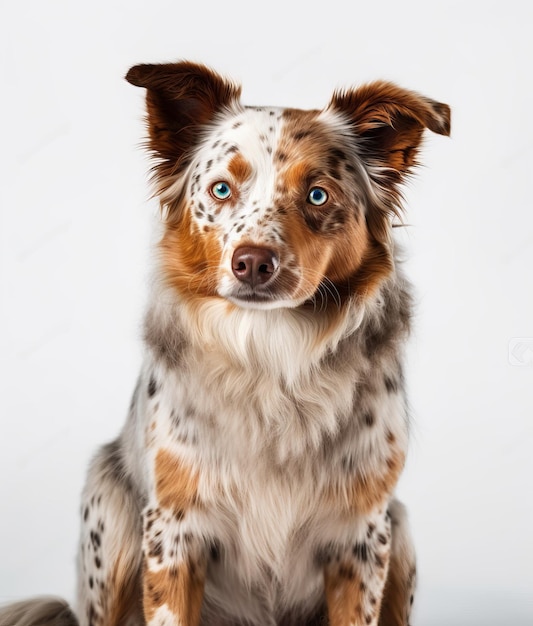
x=75 y=236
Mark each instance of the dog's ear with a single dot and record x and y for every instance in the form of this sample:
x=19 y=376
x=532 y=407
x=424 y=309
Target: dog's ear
x=181 y=99
x=388 y=123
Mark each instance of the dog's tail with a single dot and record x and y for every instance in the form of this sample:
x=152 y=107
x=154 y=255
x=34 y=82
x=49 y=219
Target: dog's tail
x=46 y=611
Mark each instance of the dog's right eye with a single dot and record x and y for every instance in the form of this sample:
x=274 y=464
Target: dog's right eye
x=317 y=196
x=221 y=190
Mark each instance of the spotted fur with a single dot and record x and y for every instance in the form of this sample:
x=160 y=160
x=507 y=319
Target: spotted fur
x=253 y=481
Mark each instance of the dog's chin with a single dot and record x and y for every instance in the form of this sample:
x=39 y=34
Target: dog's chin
x=260 y=302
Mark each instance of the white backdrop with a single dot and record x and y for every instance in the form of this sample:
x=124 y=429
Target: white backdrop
x=75 y=237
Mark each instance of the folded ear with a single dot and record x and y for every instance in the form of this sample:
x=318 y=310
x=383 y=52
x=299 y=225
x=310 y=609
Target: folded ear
x=388 y=123
x=181 y=99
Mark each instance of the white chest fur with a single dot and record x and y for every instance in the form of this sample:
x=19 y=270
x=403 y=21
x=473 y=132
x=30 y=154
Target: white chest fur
x=273 y=422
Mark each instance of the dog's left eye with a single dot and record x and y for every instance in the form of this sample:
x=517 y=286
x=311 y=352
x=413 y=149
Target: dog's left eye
x=221 y=190
x=317 y=196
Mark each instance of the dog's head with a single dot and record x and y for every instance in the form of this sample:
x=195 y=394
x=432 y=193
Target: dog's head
x=269 y=207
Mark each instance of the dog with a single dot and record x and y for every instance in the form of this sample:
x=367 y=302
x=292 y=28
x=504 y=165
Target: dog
x=253 y=482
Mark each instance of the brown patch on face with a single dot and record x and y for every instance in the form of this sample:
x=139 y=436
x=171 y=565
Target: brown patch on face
x=308 y=156
x=312 y=252
x=344 y=596
x=369 y=491
x=296 y=175
x=349 y=253
x=334 y=243
x=348 y=258
x=176 y=482
x=190 y=258
x=375 y=266
x=239 y=168
x=181 y=589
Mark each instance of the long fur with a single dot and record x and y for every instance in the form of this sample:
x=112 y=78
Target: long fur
x=253 y=482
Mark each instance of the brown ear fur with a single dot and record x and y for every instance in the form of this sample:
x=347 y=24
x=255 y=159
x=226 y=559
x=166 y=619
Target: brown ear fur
x=181 y=98
x=389 y=122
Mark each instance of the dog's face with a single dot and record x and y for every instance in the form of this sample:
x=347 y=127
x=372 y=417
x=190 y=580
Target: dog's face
x=271 y=211
x=269 y=207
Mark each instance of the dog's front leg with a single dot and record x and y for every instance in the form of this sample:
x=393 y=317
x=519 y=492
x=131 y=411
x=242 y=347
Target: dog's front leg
x=175 y=557
x=355 y=575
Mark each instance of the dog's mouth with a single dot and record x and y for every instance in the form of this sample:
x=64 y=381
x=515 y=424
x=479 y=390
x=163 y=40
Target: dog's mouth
x=274 y=294
x=255 y=299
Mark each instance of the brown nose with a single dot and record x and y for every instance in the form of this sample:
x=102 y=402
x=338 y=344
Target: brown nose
x=255 y=266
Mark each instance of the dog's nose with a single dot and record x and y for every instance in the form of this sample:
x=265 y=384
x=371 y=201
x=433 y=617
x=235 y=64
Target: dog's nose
x=253 y=265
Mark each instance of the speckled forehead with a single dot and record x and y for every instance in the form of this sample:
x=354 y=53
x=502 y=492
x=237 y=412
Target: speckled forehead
x=252 y=132
x=265 y=136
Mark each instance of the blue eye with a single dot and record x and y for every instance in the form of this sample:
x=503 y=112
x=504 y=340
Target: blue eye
x=317 y=196
x=221 y=190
